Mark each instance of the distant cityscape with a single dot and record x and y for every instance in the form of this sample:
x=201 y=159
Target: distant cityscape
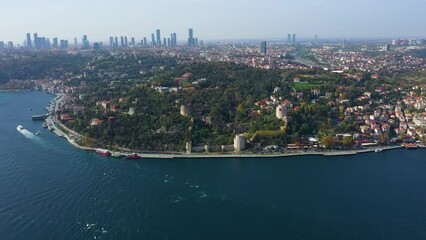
x=34 y=41
x=37 y=42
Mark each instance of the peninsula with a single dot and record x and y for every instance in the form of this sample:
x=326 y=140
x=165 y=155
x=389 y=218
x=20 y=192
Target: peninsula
x=221 y=100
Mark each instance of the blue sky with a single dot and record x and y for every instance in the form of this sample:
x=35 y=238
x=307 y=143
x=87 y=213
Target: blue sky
x=218 y=19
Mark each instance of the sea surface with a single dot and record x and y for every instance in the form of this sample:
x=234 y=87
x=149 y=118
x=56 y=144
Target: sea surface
x=50 y=190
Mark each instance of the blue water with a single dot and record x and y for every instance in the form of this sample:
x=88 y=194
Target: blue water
x=50 y=190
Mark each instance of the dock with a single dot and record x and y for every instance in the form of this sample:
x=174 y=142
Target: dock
x=39 y=117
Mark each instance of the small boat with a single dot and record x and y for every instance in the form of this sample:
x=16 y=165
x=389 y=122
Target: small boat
x=20 y=128
x=378 y=150
x=133 y=156
x=410 y=145
x=103 y=152
x=44 y=125
x=116 y=155
x=37 y=133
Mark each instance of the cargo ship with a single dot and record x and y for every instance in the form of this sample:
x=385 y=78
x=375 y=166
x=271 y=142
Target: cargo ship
x=103 y=152
x=39 y=117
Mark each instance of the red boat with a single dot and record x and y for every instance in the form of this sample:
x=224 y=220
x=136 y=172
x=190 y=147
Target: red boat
x=103 y=152
x=133 y=156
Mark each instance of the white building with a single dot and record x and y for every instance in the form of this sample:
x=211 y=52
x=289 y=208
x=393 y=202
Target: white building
x=185 y=111
x=281 y=111
x=239 y=143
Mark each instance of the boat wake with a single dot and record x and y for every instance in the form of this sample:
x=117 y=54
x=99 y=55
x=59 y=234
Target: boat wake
x=31 y=135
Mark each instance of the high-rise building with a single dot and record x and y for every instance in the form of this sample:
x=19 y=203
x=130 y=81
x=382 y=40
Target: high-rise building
x=76 y=42
x=158 y=37
x=55 y=42
x=294 y=38
x=125 y=41
x=387 y=47
x=36 y=42
x=165 y=42
x=42 y=43
x=289 y=38
x=48 y=45
x=111 y=41
x=10 y=45
x=86 y=44
x=153 y=43
x=145 y=42
x=63 y=44
x=169 y=43
x=116 y=42
x=96 y=46
x=121 y=41
x=263 y=48
x=29 y=43
x=133 y=41
x=1 y=45
x=173 y=40
x=191 y=40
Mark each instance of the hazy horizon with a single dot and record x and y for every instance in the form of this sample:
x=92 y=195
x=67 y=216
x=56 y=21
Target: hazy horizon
x=212 y=20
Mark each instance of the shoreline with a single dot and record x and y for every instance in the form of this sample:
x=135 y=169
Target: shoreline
x=60 y=133
x=15 y=90
x=165 y=155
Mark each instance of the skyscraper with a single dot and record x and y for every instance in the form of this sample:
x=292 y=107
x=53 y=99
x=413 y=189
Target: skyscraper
x=43 y=43
x=158 y=37
x=191 y=40
x=48 y=44
x=153 y=39
x=116 y=42
x=75 y=42
x=55 y=42
x=64 y=44
x=111 y=41
x=173 y=40
x=289 y=38
x=133 y=41
x=29 y=44
x=125 y=41
x=86 y=44
x=263 y=48
x=1 y=45
x=294 y=38
x=121 y=41
x=36 y=45
x=145 y=42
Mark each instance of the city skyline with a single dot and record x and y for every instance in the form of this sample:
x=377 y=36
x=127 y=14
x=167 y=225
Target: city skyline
x=270 y=19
